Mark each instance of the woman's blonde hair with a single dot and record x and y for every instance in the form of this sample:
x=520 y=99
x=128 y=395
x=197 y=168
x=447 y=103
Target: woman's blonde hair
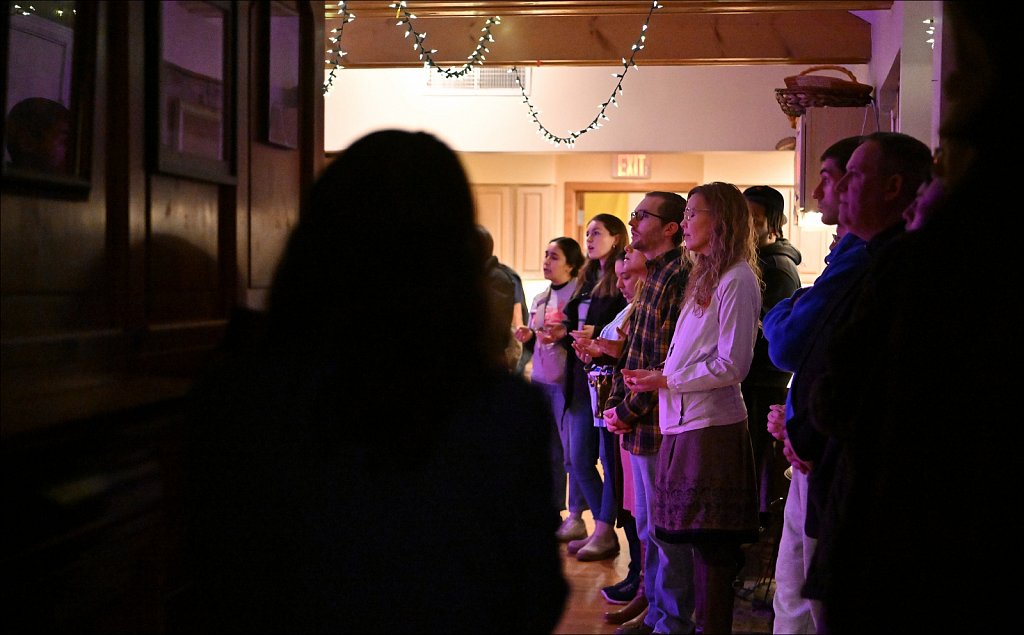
x=732 y=240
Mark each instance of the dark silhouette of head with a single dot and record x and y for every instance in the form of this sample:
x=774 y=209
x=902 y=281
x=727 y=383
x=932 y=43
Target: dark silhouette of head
x=982 y=106
x=37 y=135
x=381 y=286
x=486 y=242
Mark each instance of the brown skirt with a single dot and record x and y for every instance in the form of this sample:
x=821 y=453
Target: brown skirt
x=705 y=487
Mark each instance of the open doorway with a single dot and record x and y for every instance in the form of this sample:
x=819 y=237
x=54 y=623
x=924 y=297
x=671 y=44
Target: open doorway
x=584 y=200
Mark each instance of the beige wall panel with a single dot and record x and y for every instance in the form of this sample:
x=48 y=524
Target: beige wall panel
x=494 y=211
x=533 y=223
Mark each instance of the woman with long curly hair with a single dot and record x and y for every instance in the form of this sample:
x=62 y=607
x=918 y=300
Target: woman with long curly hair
x=705 y=490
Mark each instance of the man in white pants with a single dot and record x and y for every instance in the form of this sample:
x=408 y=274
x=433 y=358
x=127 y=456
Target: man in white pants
x=788 y=327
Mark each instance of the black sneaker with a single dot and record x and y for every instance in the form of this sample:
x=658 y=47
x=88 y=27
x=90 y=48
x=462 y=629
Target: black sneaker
x=622 y=592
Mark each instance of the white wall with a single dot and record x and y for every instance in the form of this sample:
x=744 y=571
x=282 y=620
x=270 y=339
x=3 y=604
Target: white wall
x=662 y=109
x=677 y=109
x=902 y=31
x=696 y=123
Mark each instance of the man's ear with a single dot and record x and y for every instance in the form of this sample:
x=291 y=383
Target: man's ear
x=893 y=186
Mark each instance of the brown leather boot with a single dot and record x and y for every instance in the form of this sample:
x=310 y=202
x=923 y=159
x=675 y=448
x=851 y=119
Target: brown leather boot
x=635 y=607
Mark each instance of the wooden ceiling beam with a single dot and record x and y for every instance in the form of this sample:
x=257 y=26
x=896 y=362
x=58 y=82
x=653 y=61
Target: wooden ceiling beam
x=803 y=36
x=469 y=8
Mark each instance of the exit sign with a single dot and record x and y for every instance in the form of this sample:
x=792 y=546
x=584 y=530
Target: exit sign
x=631 y=166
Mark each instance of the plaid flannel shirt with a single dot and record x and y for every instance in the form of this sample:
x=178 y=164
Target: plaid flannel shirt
x=652 y=324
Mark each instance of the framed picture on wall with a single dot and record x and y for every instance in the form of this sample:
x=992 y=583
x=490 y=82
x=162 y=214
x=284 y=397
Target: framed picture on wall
x=282 y=78
x=48 y=63
x=191 y=94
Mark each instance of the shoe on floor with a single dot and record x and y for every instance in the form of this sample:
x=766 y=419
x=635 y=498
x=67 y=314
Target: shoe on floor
x=597 y=549
x=572 y=528
x=635 y=626
x=575 y=545
x=623 y=592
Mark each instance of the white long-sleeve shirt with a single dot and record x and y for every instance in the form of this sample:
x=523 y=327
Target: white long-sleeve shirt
x=710 y=354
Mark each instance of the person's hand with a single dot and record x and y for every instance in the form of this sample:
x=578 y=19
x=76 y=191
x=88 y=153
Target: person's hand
x=523 y=334
x=612 y=348
x=794 y=460
x=641 y=380
x=777 y=421
x=553 y=331
x=584 y=349
x=614 y=424
x=586 y=332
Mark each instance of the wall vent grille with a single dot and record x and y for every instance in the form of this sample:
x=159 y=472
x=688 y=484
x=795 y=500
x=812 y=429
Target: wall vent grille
x=481 y=80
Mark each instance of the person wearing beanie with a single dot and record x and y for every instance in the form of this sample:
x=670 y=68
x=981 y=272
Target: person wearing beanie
x=765 y=384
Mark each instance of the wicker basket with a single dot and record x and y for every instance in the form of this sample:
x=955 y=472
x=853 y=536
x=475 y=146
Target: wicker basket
x=805 y=91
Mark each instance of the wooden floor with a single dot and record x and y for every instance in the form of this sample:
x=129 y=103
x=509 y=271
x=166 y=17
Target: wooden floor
x=586 y=607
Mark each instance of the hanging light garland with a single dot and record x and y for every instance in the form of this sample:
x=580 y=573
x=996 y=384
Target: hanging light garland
x=53 y=11
x=426 y=56
x=613 y=99
x=477 y=58
x=337 y=54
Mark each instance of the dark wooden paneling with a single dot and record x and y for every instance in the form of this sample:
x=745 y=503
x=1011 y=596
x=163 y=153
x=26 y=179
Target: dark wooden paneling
x=274 y=211
x=276 y=178
x=85 y=544
x=51 y=260
x=182 y=251
x=110 y=306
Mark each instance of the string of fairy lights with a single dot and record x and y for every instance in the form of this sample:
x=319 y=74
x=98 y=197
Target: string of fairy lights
x=61 y=12
x=475 y=59
x=335 y=39
x=613 y=99
x=405 y=18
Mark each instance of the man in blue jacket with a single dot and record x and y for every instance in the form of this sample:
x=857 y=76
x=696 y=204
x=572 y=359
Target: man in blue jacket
x=881 y=179
x=788 y=327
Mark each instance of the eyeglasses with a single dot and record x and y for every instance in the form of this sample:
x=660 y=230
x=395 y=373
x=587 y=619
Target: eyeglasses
x=690 y=214
x=639 y=216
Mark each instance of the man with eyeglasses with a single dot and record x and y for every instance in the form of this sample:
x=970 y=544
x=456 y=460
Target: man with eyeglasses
x=657 y=234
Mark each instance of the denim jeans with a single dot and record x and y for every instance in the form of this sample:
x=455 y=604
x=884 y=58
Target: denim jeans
x=581 y=457
x=668 y=568
x=559 y=455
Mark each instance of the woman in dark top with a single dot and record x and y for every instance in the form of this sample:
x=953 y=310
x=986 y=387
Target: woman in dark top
x=595 y=302
x=338 y=475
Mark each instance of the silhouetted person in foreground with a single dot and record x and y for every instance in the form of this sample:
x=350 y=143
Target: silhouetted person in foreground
x=341 y=474
x=926 y=520
x=38 y=132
